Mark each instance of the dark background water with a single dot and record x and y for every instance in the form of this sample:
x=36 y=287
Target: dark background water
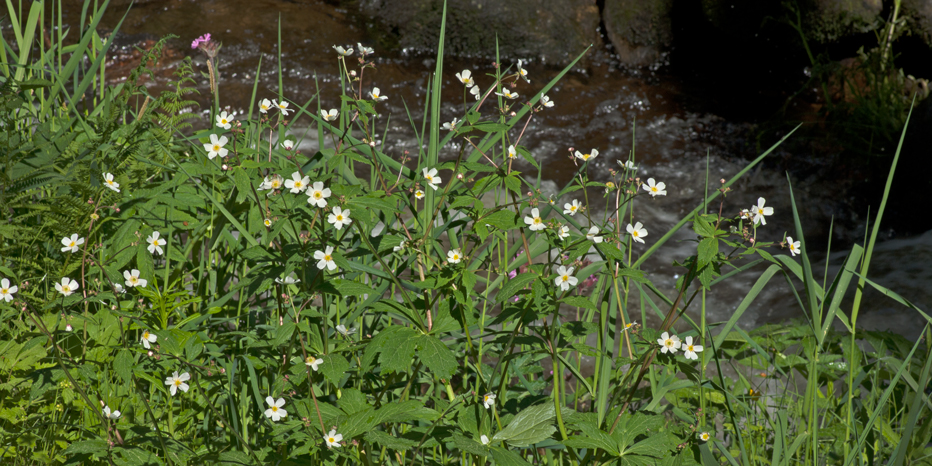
x=711 y=97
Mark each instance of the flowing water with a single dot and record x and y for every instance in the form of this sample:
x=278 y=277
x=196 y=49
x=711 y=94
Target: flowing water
x=597 y=106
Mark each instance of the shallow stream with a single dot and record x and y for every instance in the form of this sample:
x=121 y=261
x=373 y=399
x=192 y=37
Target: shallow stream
x=596 y=107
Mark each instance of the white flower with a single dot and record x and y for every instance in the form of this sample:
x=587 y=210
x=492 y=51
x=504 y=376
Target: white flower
x=117 y=288
x=333 y=439
x=177 y=381
x=132 y=278
x=71 y=244
x=475 y=92
x=155 y=243
x=325 y=259
x=571 y=208
x=794 y=245
x=704 y=436
x=488 y=400
x=759 y=211
x=484 y=439
x=108 y=182
x=148 y=338
x=403 y=244
x=655 y=189
x=267 y=222
x=637 y=232
x=454 y=256
x=431 y=176
x=6 y=291
x=563 y=232
x=288 y=144
x=265 y=105
x=507 y=94
x=586 y=157
x=565 y=278
x=289 y=280
x=344 y=52
x=331 y=115
x=224 y=119
x=317 y=194
x=376 y=95
x=344 y=331
x=669 y=344
x=283 y=106
x=419 y=194
x=629 y=165
x=364 y=50
x=591 y=235
x=67 y=286
x=275 y=411
x=690 y=349
x=512 y=153
x=274 y=182
x=522 y=72
x=745 y=213
x=313 y=362
x=215 y=147
x=111 y=415
x=339 y=217
x=545 y=101
x=451 y=125
x=466 y=78
x=68 y=328
x=297 y=183
x=534 y=222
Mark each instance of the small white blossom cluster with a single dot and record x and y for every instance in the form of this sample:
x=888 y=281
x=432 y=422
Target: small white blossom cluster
x=672 y=343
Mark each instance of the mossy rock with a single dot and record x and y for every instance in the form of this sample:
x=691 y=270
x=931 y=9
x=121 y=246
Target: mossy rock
x=639 y=30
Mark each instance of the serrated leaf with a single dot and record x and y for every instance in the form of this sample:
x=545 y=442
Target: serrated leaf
x=530 y=426
x=505 y=457
x=610 y=251
x=351 y=288
x=470 y=446
x=501 y=219
x=86 y=446
x=333 y=367
x=708 y=248
x=436 y=356
x=390 y=441
x=123 y=365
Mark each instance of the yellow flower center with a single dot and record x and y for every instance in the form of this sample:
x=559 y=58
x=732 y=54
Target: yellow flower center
x=566 y=278
x=537 y=220
x=634 y=233
x=177 y=382
x=328 y=259
x=5 y=291
x=653 y=188
x=274 y=409
x=573 y=209
x=276 y=183
x=223 y=120
x=331 y=440
x=297 y=184
x=339 y=218
x=145 y=334
x=689 y=348
x=65 y=288
x=110 y=182
x=71 y=244
x=456 y=257
x=155 y=242
x=317 y=194
x=216 y=148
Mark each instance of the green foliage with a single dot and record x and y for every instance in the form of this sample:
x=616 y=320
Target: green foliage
x=392 y=322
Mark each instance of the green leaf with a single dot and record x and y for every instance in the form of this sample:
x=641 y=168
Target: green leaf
x=390 y=441
x=86 y=446
x=505 y=457
x=333 y=367
x=501 y=219
x=351 y=288
x=514 y=285
x=436 y=356
x=353 y=401
x=610 y=251
x=530 y=426
x=579 y=301
x=470 y=446
x=123 y=365
x=708 y=249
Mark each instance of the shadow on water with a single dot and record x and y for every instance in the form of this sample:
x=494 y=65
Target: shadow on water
x=596 y=107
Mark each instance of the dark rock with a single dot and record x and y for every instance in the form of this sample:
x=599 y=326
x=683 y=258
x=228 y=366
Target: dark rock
x=638 y=29
x=553 y=30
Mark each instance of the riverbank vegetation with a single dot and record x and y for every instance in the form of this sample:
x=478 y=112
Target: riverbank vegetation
x=274 y=289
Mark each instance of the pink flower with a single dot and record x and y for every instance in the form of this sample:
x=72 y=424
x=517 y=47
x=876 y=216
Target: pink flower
x=205 y=38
